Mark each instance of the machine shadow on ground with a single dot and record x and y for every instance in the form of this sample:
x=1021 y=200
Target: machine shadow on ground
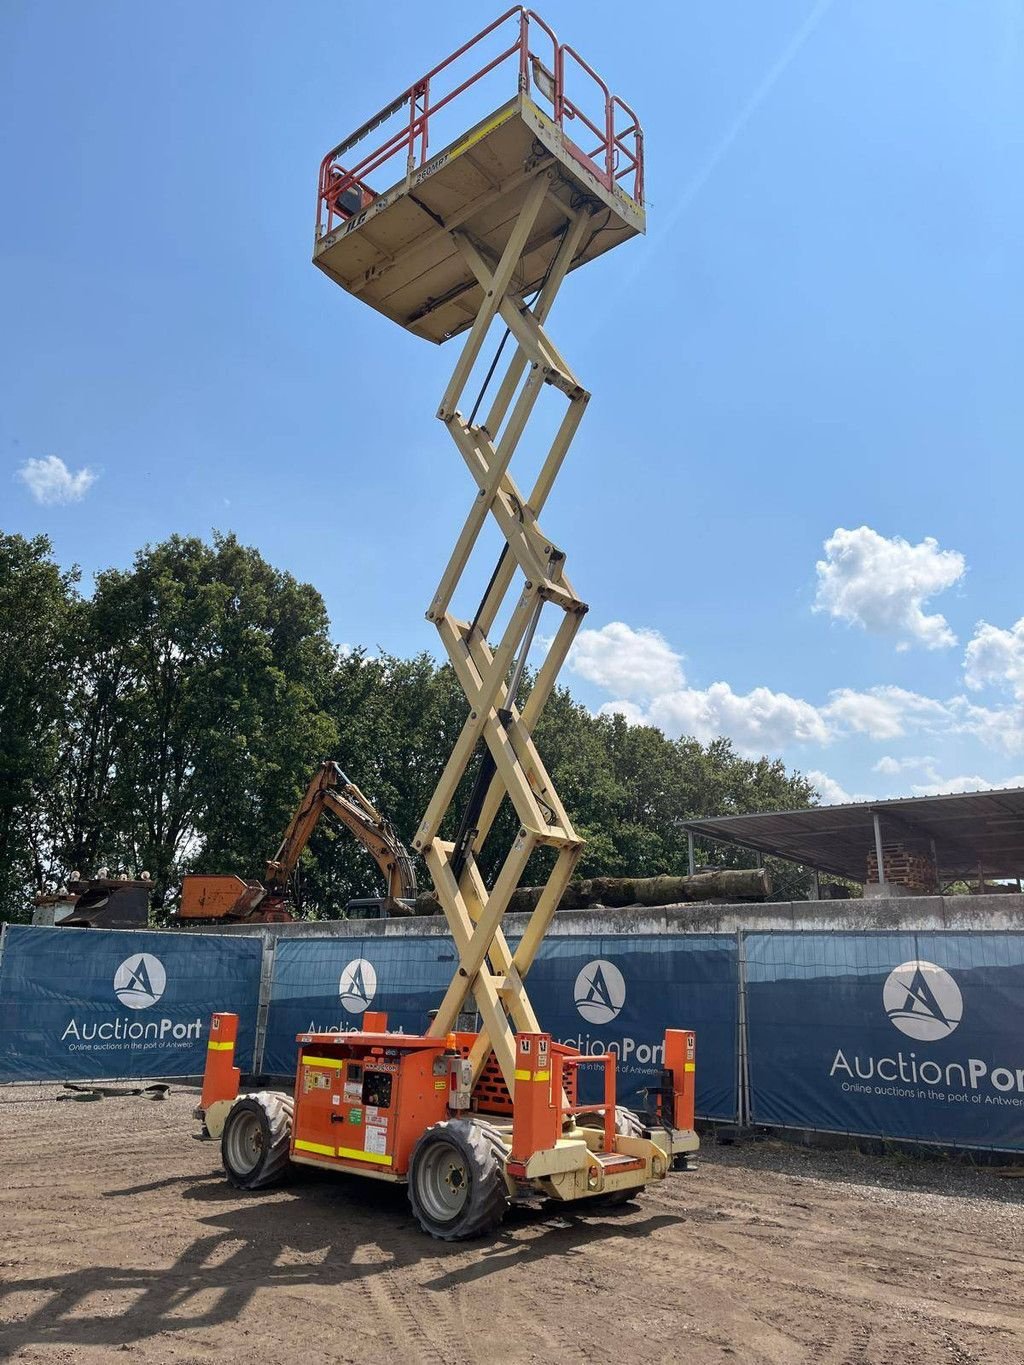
x=317 y=1232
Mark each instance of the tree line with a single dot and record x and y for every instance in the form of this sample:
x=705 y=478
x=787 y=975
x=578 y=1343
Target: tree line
x=170 y=720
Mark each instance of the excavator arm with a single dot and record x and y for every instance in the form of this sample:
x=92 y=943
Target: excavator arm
x=332 y=791
x=216 y=897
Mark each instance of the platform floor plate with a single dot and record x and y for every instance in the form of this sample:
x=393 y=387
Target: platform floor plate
x=398 y=256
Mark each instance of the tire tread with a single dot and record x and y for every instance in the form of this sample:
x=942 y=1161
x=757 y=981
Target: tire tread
x=488 y=1199
x=278 y=1109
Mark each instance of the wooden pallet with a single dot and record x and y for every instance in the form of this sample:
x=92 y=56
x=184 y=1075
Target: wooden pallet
x=903 y=867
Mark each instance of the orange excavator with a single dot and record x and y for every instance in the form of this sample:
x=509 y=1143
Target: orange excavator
x=210 y=897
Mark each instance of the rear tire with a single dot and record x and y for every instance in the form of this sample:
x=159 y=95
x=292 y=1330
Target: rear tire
x=616 y=1197
x=626 y=1122
x=457 y=1181
x=256 y=1138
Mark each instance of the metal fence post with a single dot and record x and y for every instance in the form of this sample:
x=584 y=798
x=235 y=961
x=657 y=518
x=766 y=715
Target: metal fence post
x=743 y=1069
x=263 y=1008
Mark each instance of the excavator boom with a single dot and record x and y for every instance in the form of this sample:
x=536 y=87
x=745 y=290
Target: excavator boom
x=217 y=897
x=331 y=790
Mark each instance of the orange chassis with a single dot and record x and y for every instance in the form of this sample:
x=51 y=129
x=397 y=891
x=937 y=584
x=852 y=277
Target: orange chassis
x=363 y=1101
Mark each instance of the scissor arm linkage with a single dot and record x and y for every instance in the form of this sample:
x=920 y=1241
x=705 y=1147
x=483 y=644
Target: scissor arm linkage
x=487 y=966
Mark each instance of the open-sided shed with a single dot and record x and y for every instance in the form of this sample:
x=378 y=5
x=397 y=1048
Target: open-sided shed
x=968 y=835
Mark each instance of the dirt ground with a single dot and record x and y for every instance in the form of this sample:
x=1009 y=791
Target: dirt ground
x=118 y=1234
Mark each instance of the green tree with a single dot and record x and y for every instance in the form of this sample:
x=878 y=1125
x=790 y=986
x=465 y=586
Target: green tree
x=195 y=713
x=172 y=720
x=397 y=721
x=36 y=601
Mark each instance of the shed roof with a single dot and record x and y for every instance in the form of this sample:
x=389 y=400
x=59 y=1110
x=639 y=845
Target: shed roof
x=970 y=830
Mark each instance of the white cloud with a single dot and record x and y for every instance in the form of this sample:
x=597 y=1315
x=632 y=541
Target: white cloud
x=631 y=663
x=891 y=767
x=644 y=673
x=758 y=722
x=952 y=786
x=995 y=658
x=882 y=584
x=51 y=482
x=884 y=712
x=630 y=712
x=998 y=727
x=830 y=791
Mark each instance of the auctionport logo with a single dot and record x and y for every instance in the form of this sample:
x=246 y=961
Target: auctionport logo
x=600 y=991
x=140 y=981
x=922 y=1001
x=358 y=985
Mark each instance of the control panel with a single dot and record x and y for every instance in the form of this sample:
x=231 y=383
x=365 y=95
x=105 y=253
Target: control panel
x=368 y=1102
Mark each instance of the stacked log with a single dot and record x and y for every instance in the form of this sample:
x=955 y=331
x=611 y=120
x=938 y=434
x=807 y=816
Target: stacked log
x=727 y=884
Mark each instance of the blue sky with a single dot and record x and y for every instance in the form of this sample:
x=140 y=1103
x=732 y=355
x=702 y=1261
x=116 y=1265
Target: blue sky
x=822 y=333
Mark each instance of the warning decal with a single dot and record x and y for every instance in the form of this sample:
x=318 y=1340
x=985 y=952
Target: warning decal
x=375 y=1139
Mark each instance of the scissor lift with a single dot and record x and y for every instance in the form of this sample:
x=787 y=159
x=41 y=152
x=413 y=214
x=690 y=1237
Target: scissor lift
x=482 y=232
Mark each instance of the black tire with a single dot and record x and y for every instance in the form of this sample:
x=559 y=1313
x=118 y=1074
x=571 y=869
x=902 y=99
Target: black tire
x=626 y=1122
x=617 y=1197
x=254 y=1144
x=456 y=1180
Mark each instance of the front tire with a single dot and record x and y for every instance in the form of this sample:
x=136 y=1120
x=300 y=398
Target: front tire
x=457 y=1183
x=255 y=1142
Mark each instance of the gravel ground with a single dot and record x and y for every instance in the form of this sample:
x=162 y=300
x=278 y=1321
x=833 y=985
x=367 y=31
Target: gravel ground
x=120 y=1237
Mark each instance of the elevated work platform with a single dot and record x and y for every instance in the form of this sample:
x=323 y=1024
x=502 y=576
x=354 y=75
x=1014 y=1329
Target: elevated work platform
x=482 y=235
x=387 y=209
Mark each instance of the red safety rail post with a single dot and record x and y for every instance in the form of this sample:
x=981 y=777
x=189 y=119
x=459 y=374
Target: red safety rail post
x=536 y=1119
x=634 y=158
x=606 y=136
x=681 y=1062
x=221 y=1078
x=607 y=1060
x=530 y=16
x=609 y=1101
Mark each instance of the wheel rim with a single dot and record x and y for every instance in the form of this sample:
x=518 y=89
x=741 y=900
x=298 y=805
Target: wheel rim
x=442 y=1181
x=243 y=1141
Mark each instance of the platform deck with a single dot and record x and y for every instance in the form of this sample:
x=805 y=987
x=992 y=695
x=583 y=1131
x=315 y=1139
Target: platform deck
x=397 y=254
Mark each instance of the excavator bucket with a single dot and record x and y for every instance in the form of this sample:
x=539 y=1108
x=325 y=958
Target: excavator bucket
x=209 y=896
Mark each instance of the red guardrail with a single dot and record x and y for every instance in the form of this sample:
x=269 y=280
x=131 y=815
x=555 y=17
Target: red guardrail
x=568 y=87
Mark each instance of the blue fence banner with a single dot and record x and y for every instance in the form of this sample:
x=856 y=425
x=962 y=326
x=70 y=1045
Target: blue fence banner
x=615 y=993
x=620 y=992
x=903 y=1035
x=324 y=985
x=103 y=1003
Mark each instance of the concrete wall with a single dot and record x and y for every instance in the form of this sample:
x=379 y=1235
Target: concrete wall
x=995 y=912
